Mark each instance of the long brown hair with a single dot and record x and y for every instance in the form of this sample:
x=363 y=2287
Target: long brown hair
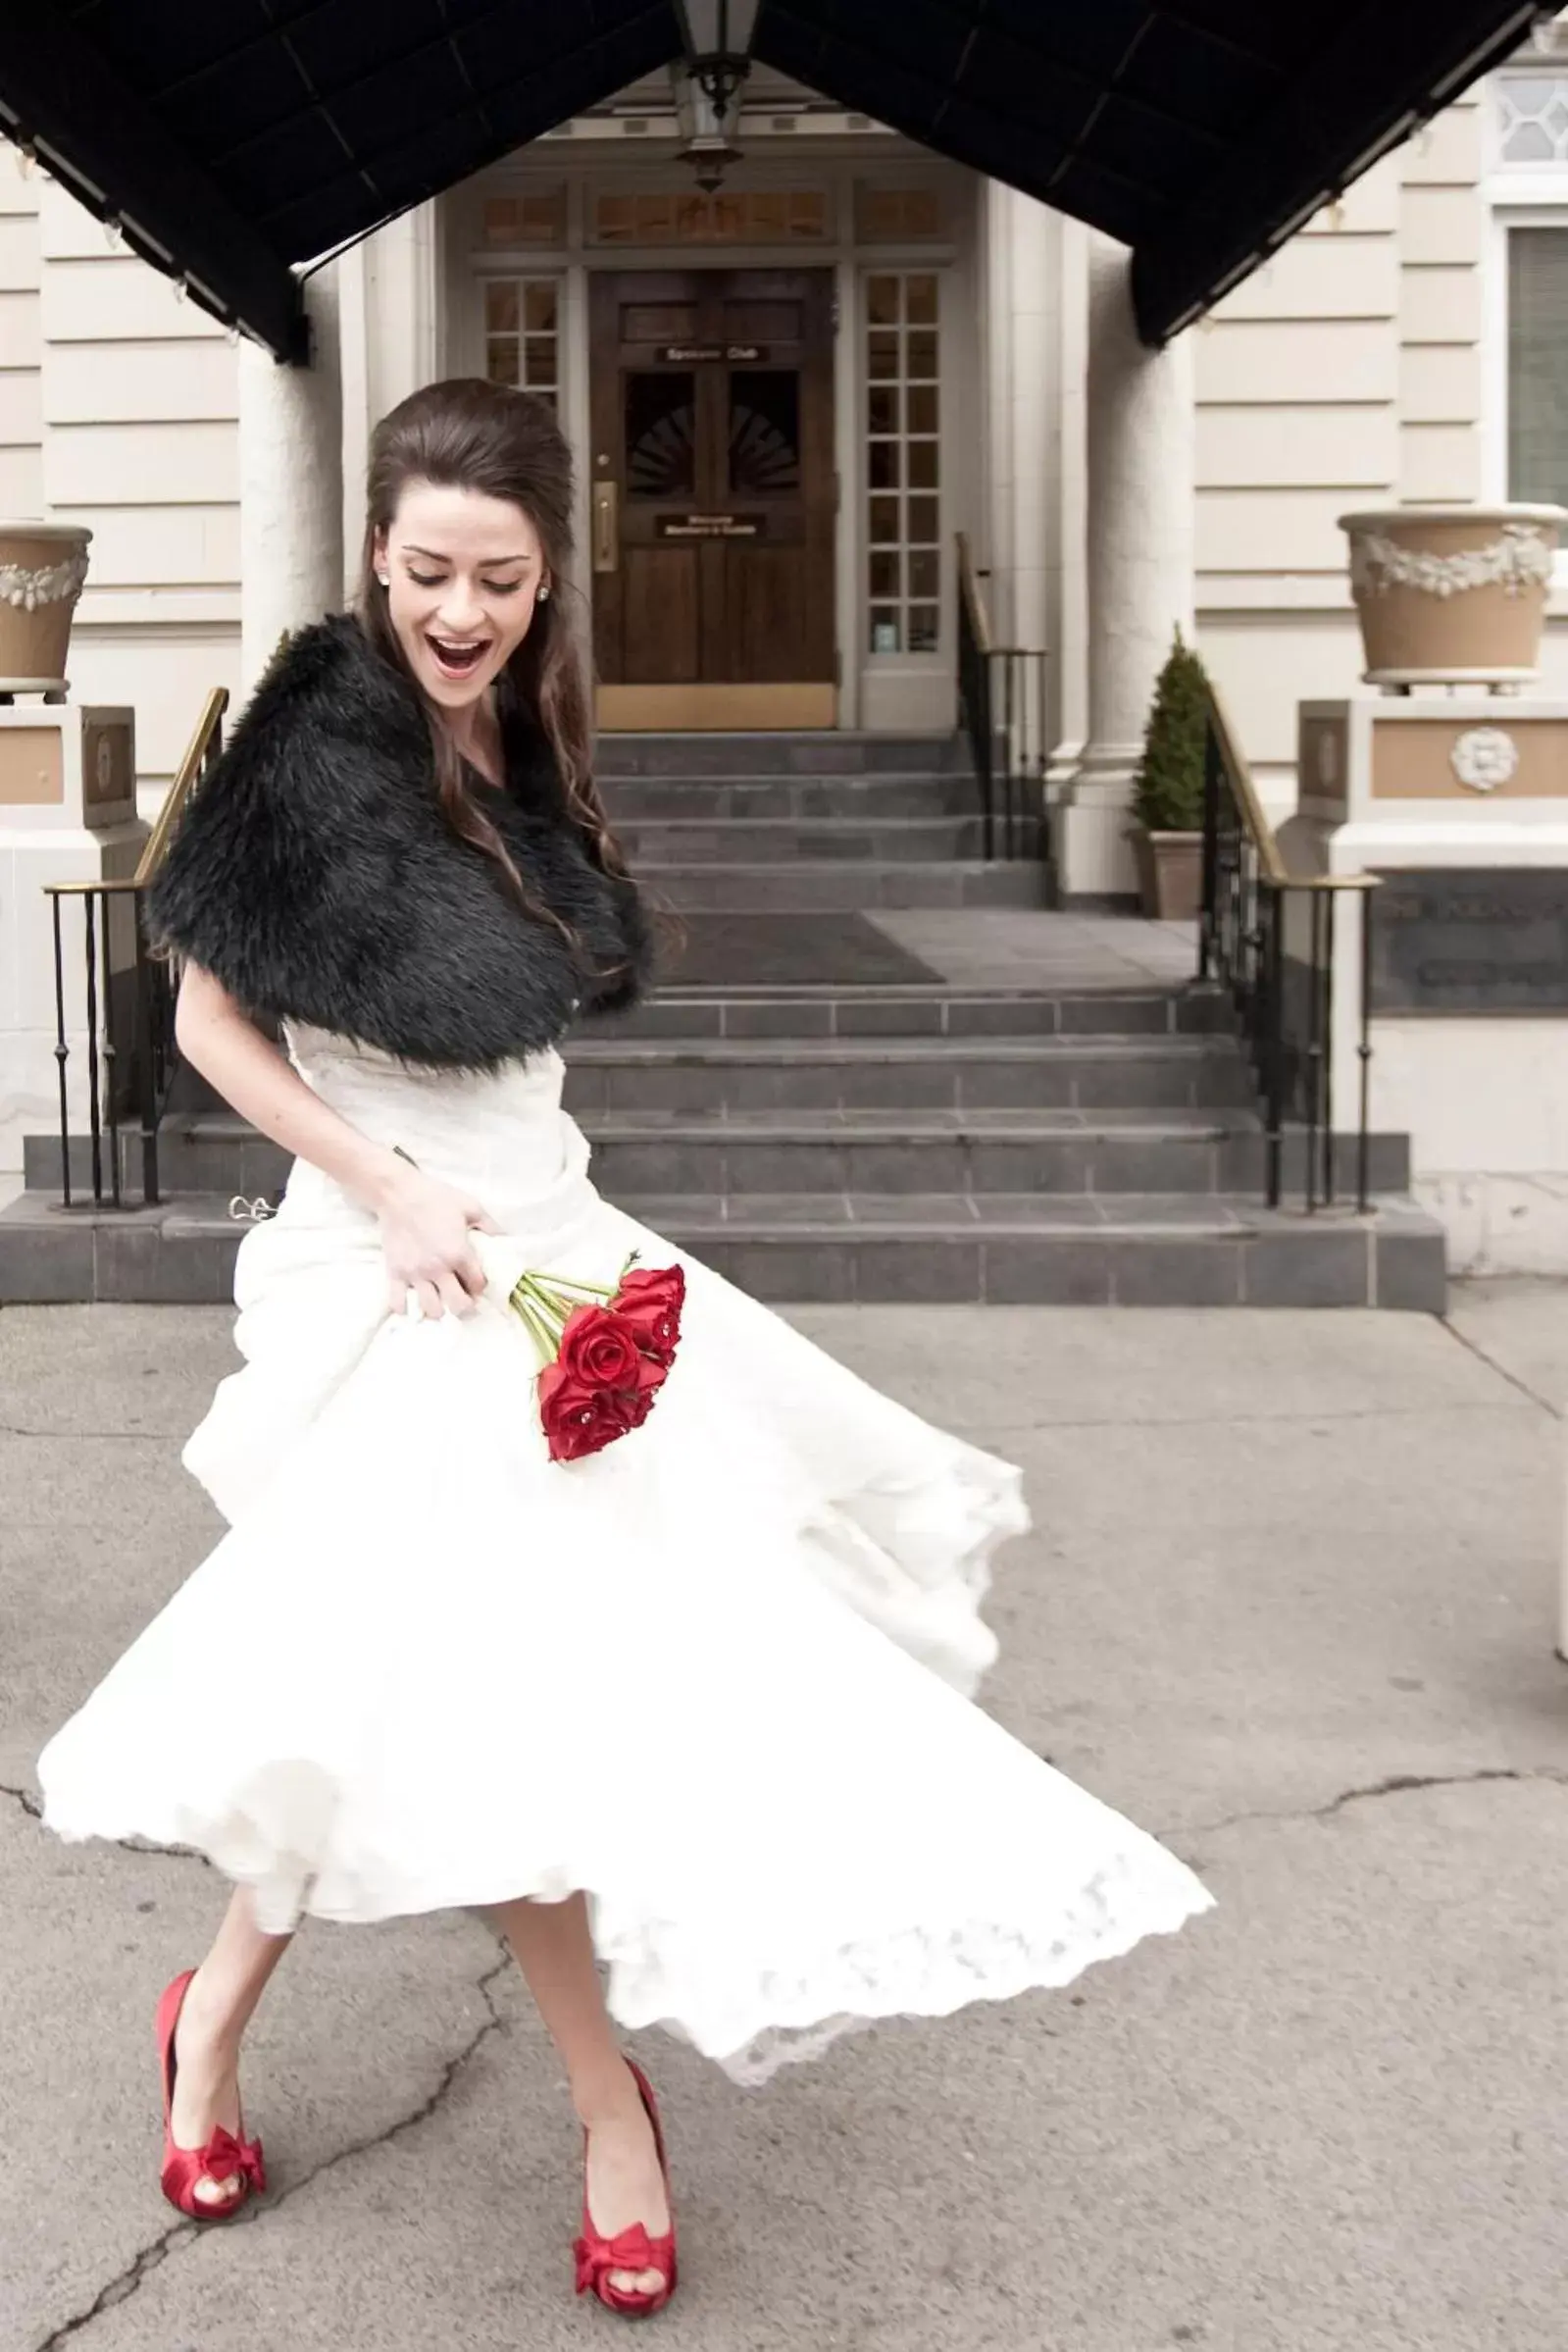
x=465 y=434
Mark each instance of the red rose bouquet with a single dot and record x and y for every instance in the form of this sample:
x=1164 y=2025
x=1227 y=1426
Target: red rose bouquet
x=605 y=1353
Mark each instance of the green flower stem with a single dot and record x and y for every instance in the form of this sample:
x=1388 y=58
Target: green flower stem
x=549 y=1308
x=565 y=1283
x=528 y=1305
x=536 y=1332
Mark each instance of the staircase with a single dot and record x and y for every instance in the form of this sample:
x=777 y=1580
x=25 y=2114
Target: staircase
x=813 y=1108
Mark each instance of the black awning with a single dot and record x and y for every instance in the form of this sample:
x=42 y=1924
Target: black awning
x=236 y=140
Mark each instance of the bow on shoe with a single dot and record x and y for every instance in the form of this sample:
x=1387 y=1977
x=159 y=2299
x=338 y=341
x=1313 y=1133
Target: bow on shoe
x=225 y=2154
x=633 y=2250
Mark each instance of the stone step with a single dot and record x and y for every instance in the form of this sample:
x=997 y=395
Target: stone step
x=828 y=752
x=1104 y=1154
x=736 y=1155
x=767 y=840
x=847 y=885
x=798 y=800
x=1159 y=1251
x=902 y=1074
x=917 y=1010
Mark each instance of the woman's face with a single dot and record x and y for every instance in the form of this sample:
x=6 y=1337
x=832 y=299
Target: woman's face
x=463 y=573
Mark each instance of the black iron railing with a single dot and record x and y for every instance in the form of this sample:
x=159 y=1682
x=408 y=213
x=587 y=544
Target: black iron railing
x=127 y=1013
x=1001 y=704
x=1294 y=952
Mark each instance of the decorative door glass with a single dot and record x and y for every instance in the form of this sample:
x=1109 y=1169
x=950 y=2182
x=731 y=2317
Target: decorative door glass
x=764 y=431
x=661 y=437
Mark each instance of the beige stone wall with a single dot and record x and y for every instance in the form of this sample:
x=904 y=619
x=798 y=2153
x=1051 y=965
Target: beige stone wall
x=20 y=402
x=1349 y=371
x=118 y=409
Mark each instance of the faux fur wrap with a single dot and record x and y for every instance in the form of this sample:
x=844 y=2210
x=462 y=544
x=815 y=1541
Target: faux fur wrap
x=314 y=874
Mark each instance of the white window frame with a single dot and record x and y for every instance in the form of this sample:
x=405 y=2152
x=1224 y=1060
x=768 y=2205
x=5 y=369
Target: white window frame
x=1517 y=196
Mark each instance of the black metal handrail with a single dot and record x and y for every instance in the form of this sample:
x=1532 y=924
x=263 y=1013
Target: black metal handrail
x=1272 y=939
x=1001 y=705
x=130 y=999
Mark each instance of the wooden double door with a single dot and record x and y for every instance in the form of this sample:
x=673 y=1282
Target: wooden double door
x=713 y=497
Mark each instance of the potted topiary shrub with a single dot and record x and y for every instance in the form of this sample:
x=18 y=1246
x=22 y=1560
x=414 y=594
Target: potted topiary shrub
x=1168 y=790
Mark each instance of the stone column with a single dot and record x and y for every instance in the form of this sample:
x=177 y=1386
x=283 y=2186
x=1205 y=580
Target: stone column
x=290 y=484
x=1139 y=563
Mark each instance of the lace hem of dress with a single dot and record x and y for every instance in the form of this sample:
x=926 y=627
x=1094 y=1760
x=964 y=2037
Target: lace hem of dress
x=917 y=1974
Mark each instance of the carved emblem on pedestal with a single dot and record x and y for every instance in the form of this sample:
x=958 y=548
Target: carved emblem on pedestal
x=1484 y=758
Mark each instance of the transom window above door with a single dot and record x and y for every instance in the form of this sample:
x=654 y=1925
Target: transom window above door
x=727 y=216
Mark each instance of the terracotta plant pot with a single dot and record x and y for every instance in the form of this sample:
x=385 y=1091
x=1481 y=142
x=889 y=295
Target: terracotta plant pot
x=42 y=566
x=1170 y=875
x=1453 y=595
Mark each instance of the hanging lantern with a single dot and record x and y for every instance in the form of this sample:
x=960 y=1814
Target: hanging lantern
x=709 y=83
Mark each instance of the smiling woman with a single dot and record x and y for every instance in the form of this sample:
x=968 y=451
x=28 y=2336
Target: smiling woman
x=697 y=1706
x=468 y=529
x=460 y=591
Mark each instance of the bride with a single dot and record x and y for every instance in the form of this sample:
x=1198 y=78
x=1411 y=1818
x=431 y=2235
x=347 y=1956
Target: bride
x=695 y=1714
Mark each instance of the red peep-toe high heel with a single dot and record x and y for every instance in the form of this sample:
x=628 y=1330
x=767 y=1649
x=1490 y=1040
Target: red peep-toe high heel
x=631 y=2249
x=222 y=2153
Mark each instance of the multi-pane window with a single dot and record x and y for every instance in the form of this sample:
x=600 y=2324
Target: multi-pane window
x=903 y=462
x=1538 y=363
x=1533 y=118
x=523 y=333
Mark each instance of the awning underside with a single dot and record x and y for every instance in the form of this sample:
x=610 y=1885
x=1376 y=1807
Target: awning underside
x=238 y=142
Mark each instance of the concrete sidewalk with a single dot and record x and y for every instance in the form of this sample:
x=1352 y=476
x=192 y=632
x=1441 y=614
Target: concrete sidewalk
x=1289 y=1604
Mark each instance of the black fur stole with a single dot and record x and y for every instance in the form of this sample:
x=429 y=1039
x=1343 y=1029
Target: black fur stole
x=313 y=873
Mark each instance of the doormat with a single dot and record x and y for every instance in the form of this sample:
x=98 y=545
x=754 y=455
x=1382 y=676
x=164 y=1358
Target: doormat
x=798 y=951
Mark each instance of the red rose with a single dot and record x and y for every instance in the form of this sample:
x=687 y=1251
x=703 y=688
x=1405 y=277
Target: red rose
x=599 y=1348
x=580 y=1421
x=650 y=1301
x=651 y=1378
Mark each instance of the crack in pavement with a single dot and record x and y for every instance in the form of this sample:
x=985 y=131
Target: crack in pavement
x=125 y=2283
x=29 y=1805
x=1396 y=1785
x=1474 y=1348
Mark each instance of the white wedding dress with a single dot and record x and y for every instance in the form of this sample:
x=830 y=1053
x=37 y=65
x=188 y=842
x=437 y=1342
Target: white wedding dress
x=718 y=1675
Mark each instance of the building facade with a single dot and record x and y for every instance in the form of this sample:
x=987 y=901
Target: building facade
x=789 y=396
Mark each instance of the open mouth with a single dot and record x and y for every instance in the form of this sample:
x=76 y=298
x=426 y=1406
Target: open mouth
x=455 y=660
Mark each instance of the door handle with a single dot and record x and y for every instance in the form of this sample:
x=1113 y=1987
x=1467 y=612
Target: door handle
x=606 y=527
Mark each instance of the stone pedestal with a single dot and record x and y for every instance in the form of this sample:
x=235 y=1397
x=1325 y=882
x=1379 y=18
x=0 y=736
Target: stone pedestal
x=1140 y=556
x=1460 y=802
x=67 y=813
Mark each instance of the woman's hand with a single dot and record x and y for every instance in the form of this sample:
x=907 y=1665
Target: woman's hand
x=424 y=1234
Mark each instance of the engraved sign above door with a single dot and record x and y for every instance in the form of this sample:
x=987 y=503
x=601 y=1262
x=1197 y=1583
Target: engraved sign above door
x=713 y=494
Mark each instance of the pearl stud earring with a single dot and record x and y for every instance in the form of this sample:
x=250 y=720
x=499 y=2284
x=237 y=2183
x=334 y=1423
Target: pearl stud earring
x=542 y=594
x=386 y=578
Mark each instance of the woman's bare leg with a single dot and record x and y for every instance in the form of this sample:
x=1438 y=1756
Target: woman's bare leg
x=218 y=2006
x=553 y=1947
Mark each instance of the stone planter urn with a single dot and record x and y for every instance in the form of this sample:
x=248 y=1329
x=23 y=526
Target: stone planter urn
x=43 y=567
x=1170 y=875
x=1452 y=595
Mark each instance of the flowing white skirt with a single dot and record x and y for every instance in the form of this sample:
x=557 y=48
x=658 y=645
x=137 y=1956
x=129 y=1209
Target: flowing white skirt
x=719 y=1677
